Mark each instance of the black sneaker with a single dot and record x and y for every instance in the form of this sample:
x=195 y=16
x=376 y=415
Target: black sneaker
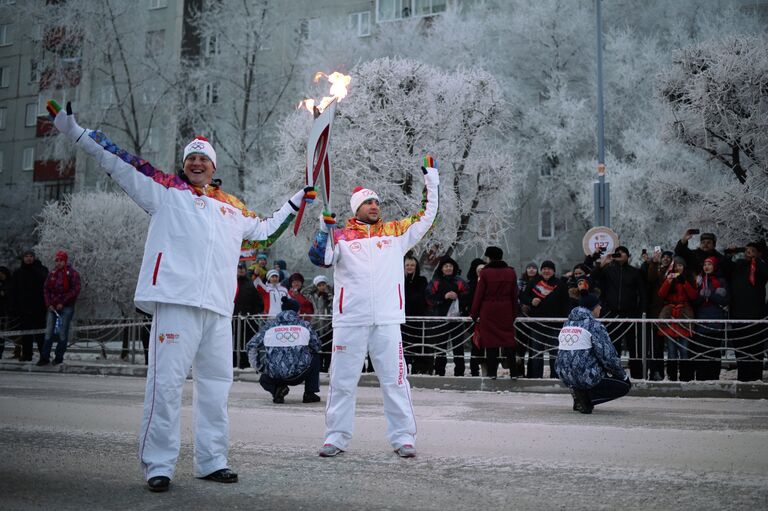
x=280 y=393
x=43 y=362
x=158 y=483
x=224 y=475
x=310 y=397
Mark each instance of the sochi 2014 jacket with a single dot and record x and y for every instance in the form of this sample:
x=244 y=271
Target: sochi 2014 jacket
x=368 y=263
x=195 y=234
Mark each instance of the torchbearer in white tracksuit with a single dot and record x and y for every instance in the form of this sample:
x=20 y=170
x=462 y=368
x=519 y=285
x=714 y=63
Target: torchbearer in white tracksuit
x=188 y=281
x=368 y=308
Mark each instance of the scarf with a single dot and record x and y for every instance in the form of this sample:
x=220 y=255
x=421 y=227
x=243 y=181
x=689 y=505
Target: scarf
x=753 y=271
x=542 y=289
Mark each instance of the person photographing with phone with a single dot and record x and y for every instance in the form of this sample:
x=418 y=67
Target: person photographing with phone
x=623 y=295
x=694 y=259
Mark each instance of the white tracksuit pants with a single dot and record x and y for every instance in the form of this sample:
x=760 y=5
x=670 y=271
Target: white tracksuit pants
x=384 y=345
x=184 y=337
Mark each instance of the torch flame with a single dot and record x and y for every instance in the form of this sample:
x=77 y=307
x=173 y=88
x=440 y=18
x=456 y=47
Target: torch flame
x=338 y=83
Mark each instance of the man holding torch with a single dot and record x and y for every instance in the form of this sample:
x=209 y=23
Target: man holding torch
x=187 y=282
x=368 y=308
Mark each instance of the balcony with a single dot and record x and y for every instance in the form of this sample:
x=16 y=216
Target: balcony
x=48 y=170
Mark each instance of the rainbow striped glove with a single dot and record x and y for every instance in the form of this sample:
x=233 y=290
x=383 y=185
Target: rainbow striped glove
x=327 y=221
x=310 y=194
x=428 y=163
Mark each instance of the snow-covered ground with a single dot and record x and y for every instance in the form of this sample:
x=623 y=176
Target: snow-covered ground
x=69 y=442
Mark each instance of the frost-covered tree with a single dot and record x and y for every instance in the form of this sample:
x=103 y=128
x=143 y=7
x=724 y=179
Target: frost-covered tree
x=717 y=94
x=131 y=75
x=396 y=111
x=238 y=84
x=104 y=233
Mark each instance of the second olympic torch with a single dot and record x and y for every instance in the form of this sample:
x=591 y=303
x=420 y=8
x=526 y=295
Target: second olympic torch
x=318 y=166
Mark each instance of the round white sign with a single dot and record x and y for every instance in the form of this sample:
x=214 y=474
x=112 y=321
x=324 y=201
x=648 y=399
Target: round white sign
x=600 y=238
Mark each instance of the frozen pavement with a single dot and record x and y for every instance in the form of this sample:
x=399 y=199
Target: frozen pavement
x=69 y=442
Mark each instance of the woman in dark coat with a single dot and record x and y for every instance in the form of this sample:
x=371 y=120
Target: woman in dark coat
x=476 y=354
x=419 y=356
x=445 y=293
x=494 y=309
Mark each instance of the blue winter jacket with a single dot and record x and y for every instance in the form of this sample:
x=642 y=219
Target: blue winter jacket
x=584 y=368
x=284 y=347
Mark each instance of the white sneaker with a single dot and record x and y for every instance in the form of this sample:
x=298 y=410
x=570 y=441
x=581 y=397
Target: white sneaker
x=406 y=451
x=329 y=451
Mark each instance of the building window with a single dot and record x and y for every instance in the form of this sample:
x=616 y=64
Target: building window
x=5 y=73
x=3 y=117
x=360 y=23
x=34 y=73
x=545 y=171
x=428 y=7
x=309 y=28
x=28 y=159
x=30 y=115
x=2 y=161
x=546 y=224
x=391 y=10
x=210 y=93
x=55 y=191
x=155 y=43
x=212 y=46
x=4 y=35
x=157 y=4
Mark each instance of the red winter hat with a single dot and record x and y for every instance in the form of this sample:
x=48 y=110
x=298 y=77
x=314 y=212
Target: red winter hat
x=713 y=260
x=62 y=255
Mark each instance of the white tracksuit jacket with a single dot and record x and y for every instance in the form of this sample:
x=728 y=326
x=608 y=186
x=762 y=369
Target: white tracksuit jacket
x=195 y=234
x=368 y=276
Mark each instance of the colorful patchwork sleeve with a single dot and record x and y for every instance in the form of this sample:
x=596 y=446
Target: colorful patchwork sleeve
x=141 y=181
x=263 y=232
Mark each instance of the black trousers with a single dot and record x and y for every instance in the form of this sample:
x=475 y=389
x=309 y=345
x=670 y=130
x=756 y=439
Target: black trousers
x=608 y=389
x=749 y=346
x=31 y=321
x=420 y=357
x=625 y=333
x=705 y=352
x=452 y=332
x=542 y=339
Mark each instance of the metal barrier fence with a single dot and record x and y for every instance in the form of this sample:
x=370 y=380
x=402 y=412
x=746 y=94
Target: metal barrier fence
x=645 y=341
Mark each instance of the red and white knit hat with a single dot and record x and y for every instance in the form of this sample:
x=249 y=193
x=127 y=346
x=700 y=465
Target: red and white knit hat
x=200 y=145
x=360 y=195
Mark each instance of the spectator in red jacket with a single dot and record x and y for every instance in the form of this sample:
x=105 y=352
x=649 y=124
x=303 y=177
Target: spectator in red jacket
x=679 y=292
x=494 y=309
x=61 y=290
x=295 y=283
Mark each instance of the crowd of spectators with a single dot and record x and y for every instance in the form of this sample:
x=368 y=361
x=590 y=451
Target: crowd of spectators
x=683 y=283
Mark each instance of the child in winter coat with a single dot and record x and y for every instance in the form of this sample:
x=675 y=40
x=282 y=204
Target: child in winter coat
x=587 y=362
x=285 y=352
x=709 y=304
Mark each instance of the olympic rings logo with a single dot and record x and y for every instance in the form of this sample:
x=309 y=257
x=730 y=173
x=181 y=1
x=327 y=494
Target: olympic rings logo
x=287 y=336
x=569 y=339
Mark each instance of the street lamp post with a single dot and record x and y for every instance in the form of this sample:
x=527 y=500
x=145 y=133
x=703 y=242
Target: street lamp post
x=602 y=189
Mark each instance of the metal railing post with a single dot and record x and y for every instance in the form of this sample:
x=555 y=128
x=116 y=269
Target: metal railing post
x=644 y=346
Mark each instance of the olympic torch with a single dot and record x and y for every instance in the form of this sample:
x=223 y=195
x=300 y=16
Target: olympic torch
x=318 y=166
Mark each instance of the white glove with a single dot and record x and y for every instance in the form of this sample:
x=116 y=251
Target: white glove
x=66 y=124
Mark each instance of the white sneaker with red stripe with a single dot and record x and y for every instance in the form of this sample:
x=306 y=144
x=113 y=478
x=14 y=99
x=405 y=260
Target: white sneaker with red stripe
x=406 y=451
x=329 y=451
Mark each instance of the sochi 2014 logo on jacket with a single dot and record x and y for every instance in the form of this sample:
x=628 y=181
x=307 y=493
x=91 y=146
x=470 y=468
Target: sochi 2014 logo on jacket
x=225 y=211
x=382 y=244
x=286 y=335
x=168 y=338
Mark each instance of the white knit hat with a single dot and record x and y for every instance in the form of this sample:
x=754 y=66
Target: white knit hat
x=200 y=145
x=319 y=279
x=272 y=272
x=360 y=195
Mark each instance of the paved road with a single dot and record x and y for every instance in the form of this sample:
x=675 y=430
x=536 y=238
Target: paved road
x=69 y=442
